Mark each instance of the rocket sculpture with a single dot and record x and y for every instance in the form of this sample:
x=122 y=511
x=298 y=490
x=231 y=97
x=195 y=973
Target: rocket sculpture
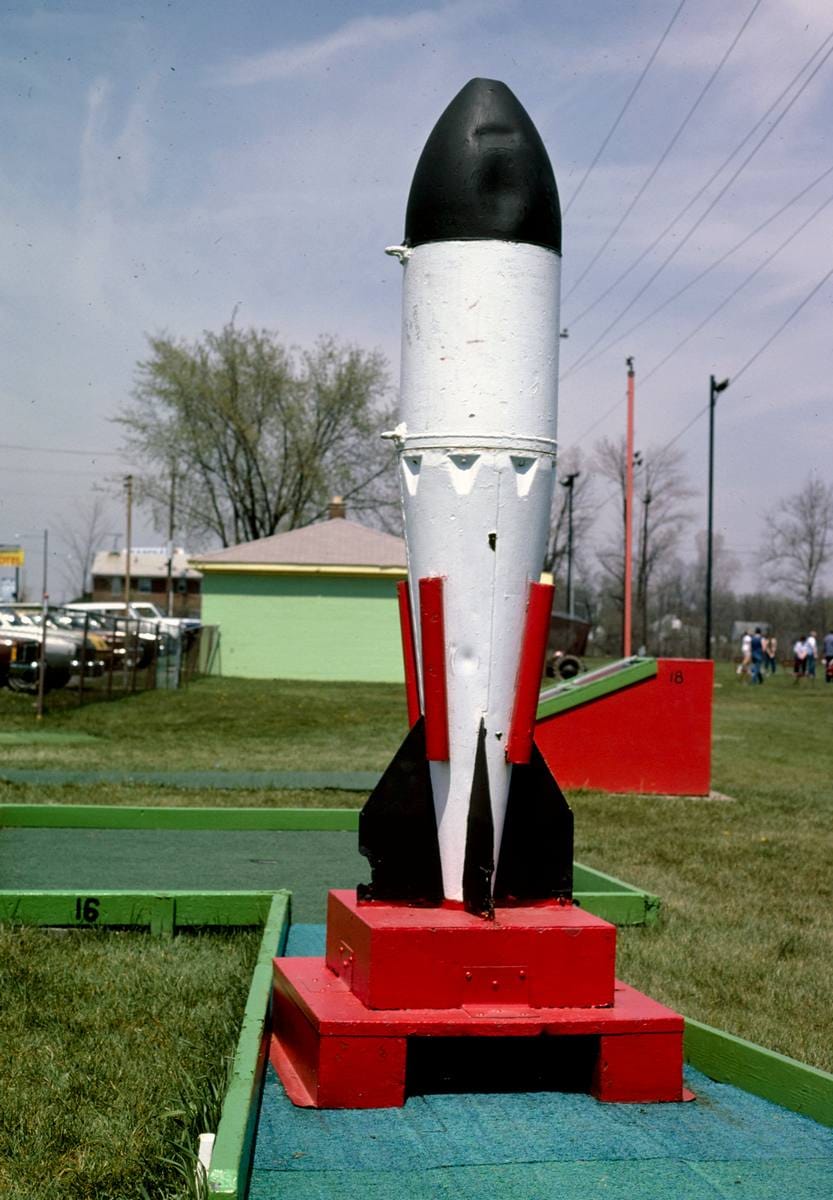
x=468 y=812
x=467 y=819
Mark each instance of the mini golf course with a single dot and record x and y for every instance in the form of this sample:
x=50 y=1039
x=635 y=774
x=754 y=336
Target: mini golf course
x=727 y=1142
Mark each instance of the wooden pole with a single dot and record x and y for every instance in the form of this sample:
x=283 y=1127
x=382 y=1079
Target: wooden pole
x=627 y=623
x=128 y=489
x=45 y=606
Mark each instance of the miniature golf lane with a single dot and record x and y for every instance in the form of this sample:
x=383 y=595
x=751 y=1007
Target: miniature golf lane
x=538 y=1145
x=306 y=862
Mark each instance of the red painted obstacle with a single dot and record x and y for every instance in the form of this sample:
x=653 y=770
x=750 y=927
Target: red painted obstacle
x=651 y=737
x=341 y=1024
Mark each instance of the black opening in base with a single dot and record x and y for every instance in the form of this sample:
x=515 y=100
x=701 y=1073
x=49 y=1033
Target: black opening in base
x=500 y=1064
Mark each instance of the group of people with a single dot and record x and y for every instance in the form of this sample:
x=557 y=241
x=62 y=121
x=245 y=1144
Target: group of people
x=759 y=654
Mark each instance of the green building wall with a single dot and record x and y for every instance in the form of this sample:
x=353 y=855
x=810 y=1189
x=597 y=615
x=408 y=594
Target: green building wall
x=305 y=627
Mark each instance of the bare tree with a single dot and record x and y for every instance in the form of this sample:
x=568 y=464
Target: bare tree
x=798 y=539
x=83 y=534
x=570 y=463
x=258 y=436
x=660 y=490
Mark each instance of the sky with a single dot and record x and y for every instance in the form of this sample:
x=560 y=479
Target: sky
x=166 y=163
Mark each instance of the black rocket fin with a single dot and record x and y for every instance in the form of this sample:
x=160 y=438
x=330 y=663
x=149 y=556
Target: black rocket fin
x=479 y=864
x=398 y=830
x=536 y=850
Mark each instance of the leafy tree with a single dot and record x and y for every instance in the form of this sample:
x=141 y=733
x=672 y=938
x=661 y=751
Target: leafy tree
x=798 y=540
x=258 y=436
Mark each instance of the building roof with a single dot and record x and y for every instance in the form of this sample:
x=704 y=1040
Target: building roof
x=337 y=545
x=152 y=564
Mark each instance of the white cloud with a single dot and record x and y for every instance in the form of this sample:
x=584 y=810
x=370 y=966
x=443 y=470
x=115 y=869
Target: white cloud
x=361 y=34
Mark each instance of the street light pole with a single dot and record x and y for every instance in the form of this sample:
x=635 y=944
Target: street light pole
x=569 y=484
x=715 y=389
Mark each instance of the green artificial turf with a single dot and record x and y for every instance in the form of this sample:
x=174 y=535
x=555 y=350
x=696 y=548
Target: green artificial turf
x=114 y=1054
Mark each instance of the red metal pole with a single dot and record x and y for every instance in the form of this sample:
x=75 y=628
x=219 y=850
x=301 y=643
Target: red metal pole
x=628 y=616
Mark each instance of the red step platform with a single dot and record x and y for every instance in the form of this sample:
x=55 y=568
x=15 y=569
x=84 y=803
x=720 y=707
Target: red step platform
x=341 y=1024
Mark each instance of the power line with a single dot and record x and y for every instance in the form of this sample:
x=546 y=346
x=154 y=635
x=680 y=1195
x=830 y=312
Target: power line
x=742 y=370
x=753 y=358
x=624 y=108
x=584 y=360
x=664 y=155
x=57 y=450
x=715 y=174
x=782 y=326
x=38 y=480
x=752 y=274
x=738 y=245
x=723 y=257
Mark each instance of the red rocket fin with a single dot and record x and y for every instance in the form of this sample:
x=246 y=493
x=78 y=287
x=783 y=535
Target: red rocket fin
x=536 y=850
x=434 y=691
x=530 y=670
x=406 y=626
x=398 y=830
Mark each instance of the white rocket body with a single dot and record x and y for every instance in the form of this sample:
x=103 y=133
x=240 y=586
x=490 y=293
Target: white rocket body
x=477 y=444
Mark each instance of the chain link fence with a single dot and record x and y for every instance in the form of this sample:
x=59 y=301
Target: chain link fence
x=97 y=656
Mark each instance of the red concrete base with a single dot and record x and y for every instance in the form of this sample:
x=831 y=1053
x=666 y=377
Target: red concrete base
x=331 y=1051
x=547 y=955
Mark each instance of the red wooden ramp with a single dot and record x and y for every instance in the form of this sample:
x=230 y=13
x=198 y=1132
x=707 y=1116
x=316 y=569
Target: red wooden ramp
x=341 y=1024
x=640 y=725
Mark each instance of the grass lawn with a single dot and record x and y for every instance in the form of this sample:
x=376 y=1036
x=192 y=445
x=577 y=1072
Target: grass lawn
x=222 y=724
x=114 y=1052
x=744 y=942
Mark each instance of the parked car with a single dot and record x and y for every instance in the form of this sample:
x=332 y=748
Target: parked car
x=65 y=651
x=152 y=620
x=24 y=662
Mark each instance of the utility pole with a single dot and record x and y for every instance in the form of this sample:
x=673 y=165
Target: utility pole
x=171 y=524
x=628 y=613
x=128 y=490
x=45 y=606
x=715 y=389
x=569 y=484
x=643 y=566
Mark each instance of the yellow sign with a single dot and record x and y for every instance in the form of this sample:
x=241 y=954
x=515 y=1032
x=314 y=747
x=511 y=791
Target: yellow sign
x=11 y=556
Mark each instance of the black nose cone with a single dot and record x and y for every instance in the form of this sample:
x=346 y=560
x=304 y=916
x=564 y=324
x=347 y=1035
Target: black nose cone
x=484 y=173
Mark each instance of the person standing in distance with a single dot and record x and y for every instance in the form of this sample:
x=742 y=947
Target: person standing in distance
x=827 y=651
x=800 y=658
x=756 y=652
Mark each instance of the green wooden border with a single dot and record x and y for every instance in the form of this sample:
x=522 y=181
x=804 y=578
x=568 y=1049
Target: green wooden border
x=568 y=694
x=601 y=894
x=784 y=1081
x=231 y=1157
x=161 y=911
x=152 y=816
